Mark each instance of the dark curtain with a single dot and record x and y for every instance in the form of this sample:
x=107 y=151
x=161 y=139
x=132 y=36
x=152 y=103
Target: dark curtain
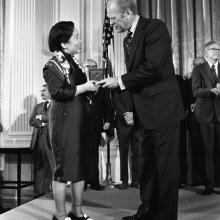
x=191 y=23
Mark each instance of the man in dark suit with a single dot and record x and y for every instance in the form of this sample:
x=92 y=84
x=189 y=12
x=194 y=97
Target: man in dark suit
x=102 y=120
x=40 y=144
x=157 y=108
x=127 y=137
x=206 y=88
x=195 y=149
x=182 y=140
x=2 y=209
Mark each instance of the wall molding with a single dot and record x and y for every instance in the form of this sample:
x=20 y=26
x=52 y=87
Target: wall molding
x=82 y=29
x=56 y=11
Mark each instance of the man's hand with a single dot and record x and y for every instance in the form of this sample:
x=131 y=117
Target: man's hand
x=39 y=117
x=192 y=107
x=110 y=83
x=91 y=86
x=128 y=116
x=216 y=91
x=106 y=126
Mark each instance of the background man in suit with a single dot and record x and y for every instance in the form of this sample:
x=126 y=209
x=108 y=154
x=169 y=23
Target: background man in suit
x=157 y=107
x=196 y=151
x=127 y=137
x=102 y=120
x=182 y=140
x=205 y=86
x=2 y=209
x=40 y=144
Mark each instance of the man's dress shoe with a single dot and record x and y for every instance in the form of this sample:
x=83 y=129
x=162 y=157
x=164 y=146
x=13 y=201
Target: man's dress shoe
x=135 y=185
x=123 y=186
x=133 y=217
x=2 y=209
x=97 y=187
x=207 y=192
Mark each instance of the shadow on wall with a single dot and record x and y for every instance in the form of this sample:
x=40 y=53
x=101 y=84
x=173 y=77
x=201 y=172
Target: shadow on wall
x=21 y=123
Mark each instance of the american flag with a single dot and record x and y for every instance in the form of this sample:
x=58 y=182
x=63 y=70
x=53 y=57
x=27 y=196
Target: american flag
x=107 y=40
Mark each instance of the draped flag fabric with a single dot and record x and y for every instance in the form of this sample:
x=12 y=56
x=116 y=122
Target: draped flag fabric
x=107 y=45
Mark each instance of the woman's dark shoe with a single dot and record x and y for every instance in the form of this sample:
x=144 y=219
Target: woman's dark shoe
x=55 y=218
x=84 y=217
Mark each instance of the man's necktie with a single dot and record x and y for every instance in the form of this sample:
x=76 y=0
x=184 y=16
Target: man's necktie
x=213 y=73
x=127 y=42
x=46 y=106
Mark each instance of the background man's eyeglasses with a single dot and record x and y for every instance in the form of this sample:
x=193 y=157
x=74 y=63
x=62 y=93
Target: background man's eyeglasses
x=90 y=66
x=214 y=49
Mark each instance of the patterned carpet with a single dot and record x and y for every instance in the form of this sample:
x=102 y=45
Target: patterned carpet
x=112 y=204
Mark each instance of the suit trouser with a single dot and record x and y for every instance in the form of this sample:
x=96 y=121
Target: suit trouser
x=94 y=169
x=183 y=153
x=196 y=151
x=210 y=133
x=159 y=174
x=44 y=166
x=128 y=139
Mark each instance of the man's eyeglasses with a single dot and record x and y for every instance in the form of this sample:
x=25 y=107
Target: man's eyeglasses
x=218 y=49
x=90 y=66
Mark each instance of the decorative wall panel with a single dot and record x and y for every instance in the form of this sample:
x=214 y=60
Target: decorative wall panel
x=27 y=24
x=19 y=66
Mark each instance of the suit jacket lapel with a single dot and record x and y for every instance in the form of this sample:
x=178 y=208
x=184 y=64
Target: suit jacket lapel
x=125 y=54
x=135 y=40
x=207 y=71
x=218 y=72
x=46 y=105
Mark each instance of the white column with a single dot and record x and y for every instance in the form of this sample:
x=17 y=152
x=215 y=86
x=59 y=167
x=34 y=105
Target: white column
x=26 y=26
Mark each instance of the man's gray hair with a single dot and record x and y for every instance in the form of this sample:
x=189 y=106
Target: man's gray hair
x=125 y=4
x=208 y=44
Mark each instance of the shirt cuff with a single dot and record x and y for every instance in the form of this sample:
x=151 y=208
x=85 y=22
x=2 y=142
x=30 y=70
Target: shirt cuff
x=120 y=83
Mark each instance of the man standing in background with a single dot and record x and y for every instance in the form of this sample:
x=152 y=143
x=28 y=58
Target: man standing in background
x=2 y=209
x=102 y=121
x=40 y=144
x=206 y=89
x=127 y=138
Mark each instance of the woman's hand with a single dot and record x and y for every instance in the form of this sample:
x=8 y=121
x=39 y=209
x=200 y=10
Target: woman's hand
x=91 y=86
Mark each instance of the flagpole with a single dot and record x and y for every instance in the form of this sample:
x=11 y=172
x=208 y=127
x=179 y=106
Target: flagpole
x=107 y=35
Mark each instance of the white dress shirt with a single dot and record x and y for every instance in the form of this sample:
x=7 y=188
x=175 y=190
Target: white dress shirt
x=133 y=28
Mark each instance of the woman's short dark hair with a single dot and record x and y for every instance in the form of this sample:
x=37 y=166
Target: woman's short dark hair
x=61 y=32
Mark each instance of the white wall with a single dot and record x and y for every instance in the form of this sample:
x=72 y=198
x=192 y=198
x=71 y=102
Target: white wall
x=26 y=51
x=24 y=58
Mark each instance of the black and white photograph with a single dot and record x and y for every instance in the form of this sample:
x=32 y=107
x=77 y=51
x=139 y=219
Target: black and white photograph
x=110 y=109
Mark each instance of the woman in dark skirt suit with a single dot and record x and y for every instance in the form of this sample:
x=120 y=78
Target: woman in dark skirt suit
x=69 y=118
